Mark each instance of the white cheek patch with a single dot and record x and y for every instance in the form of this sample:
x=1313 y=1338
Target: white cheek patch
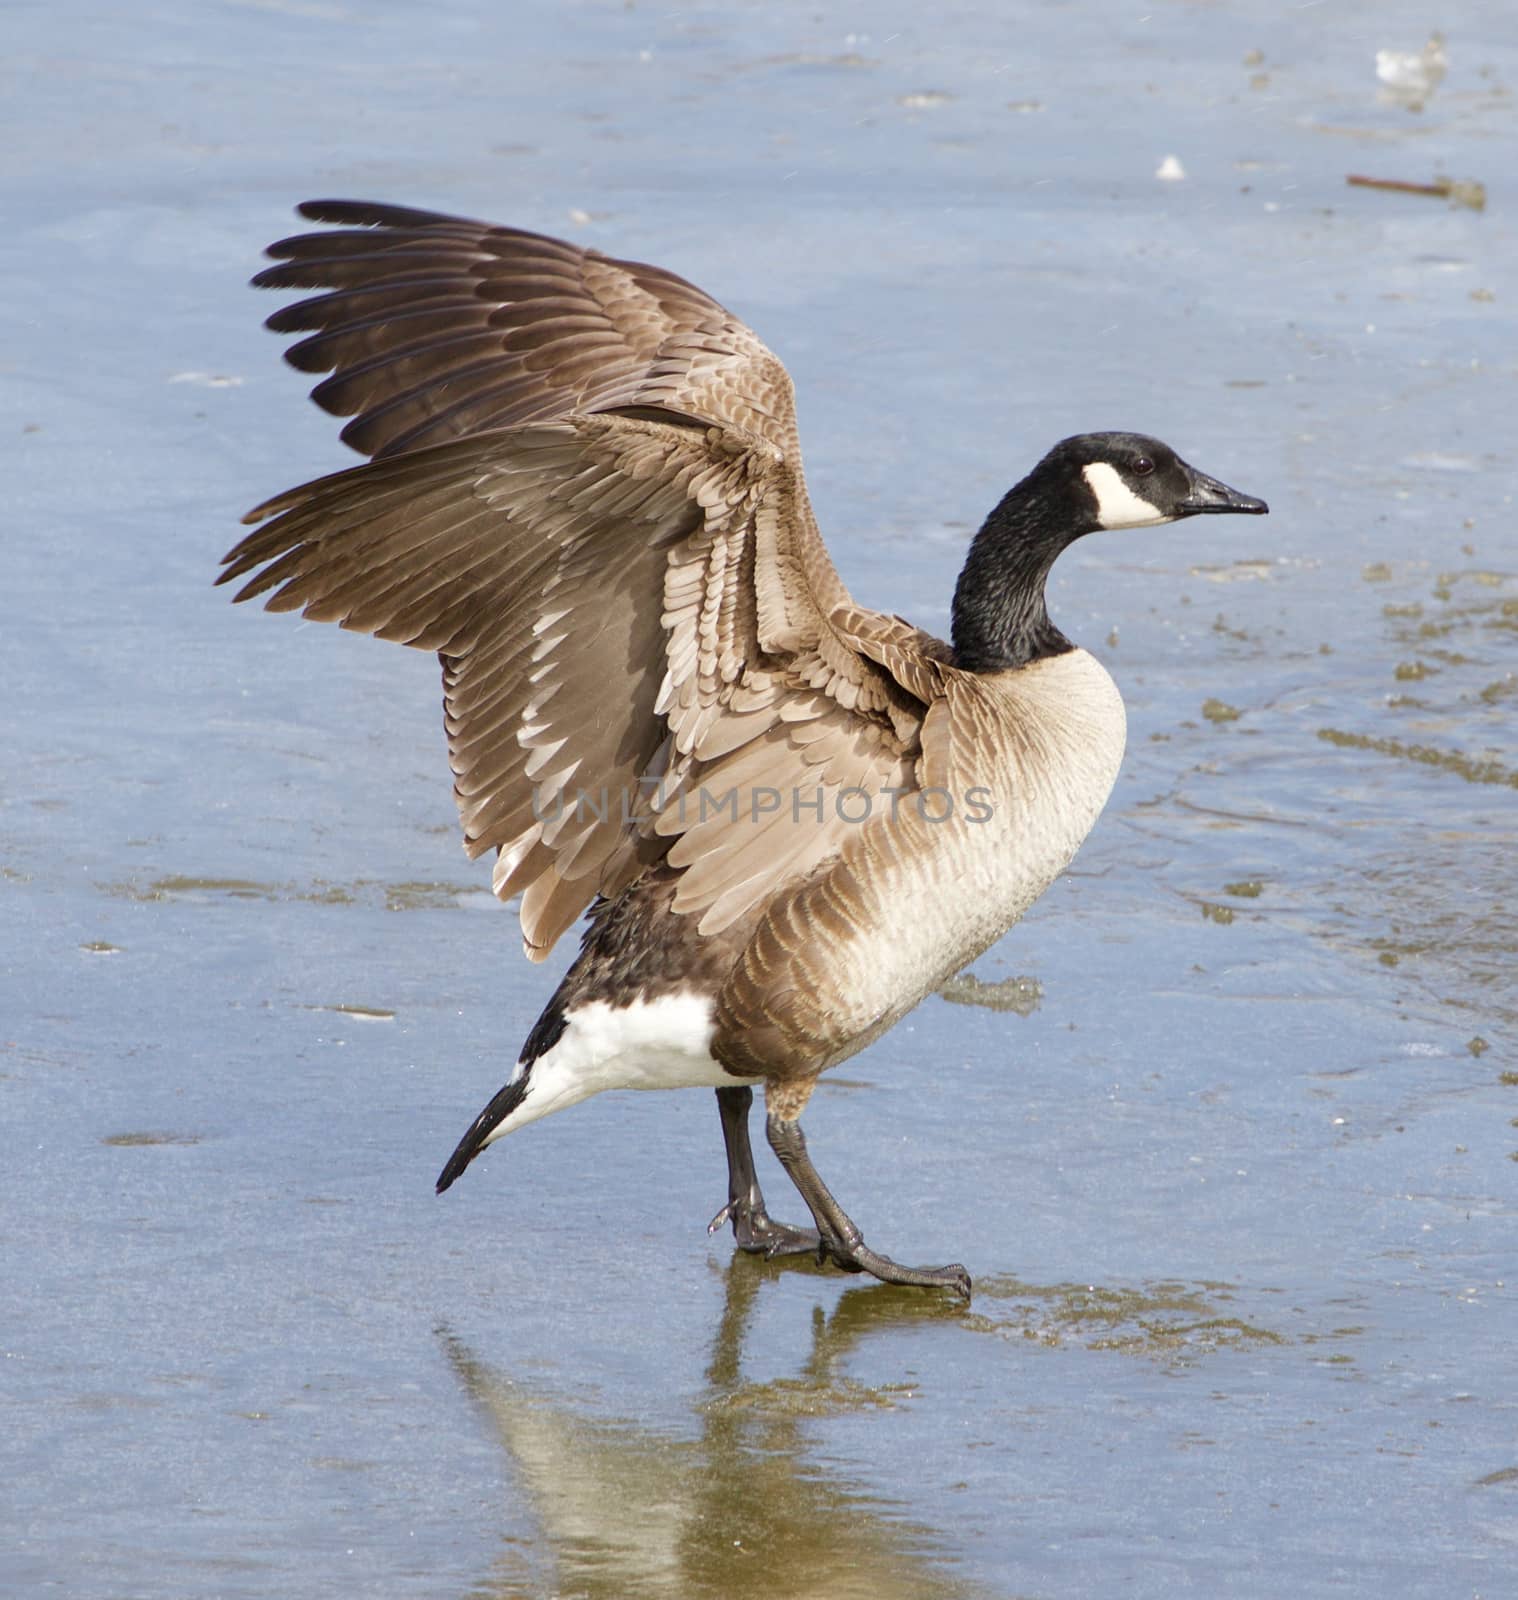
x=1117 y=506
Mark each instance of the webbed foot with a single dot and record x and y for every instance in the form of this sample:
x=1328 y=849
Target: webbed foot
x=760 y=1235
x=840 y=1241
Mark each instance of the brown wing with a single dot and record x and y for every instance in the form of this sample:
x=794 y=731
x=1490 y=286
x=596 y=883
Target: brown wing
x=587 y=497
x=436 y=327
x=628 y=621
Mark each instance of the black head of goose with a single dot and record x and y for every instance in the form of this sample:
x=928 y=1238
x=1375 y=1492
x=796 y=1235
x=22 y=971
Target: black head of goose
x=1092 y=482
x=789 y=817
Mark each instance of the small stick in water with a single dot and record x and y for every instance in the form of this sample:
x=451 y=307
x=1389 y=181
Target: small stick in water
x=1462 y=193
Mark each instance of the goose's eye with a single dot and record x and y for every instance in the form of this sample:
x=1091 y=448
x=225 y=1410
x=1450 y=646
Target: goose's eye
x=1143 y=467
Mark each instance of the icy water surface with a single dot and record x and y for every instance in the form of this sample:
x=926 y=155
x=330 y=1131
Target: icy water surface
x=1225 y=1130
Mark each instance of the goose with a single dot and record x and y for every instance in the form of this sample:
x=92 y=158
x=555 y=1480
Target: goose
x=789 y=817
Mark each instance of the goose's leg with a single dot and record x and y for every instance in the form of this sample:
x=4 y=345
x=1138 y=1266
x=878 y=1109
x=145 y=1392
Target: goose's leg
x=842 y=1242
x=753 y=1227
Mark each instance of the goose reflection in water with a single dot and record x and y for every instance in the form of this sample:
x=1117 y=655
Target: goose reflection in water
x=744 y=1509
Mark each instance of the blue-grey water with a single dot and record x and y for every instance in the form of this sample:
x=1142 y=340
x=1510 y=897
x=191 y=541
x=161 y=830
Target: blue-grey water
x=1238 y=1188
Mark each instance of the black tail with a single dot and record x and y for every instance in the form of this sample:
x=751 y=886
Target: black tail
x=546 y=1033
x=482 y=1127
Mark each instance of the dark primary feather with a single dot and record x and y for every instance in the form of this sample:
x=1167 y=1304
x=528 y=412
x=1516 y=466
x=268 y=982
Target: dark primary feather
x=435 y=327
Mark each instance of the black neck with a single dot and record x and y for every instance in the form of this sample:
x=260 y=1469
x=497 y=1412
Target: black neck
x=1000 y=619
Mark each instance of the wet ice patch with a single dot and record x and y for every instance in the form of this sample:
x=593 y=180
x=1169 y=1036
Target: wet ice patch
x=1440 y=461
x=139 y=1140
x=355 y=1013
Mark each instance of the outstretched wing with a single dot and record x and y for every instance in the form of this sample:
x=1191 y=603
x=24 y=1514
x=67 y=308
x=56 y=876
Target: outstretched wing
x=435 y=327
x=647 y=653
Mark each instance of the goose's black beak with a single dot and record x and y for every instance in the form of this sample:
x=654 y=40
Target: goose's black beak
x=1207 y=494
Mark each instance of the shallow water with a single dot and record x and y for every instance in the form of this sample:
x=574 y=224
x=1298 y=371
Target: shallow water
x=1226 y=1131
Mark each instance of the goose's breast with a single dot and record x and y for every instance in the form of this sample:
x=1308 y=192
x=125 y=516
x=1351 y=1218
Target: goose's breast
x=1042 y=774
x=1027 y=780
x=1025 y=764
